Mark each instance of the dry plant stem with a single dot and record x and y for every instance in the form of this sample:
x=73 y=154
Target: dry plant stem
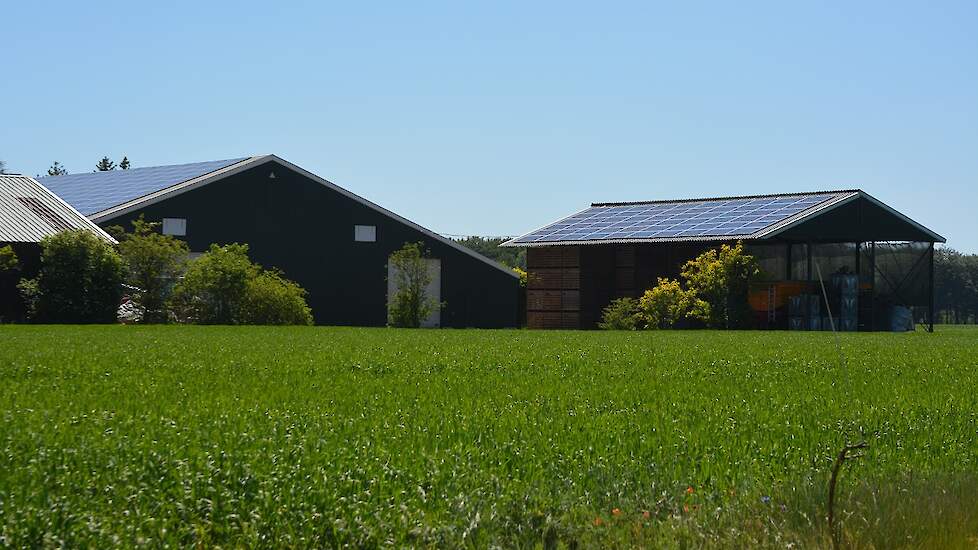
x=839 y=461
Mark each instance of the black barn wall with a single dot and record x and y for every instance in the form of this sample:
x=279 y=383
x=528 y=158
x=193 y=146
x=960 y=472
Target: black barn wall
x=306 y=230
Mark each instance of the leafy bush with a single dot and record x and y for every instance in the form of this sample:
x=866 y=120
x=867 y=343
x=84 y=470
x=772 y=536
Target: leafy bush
x=721 y=278
x=713 y=290
x=668 y=304
x=223 y=287
x=153 y=263
x=521 y=273
x=410 y=305
x=270 y=299
x=80 y=280
x=8 y=259
x=622 y=314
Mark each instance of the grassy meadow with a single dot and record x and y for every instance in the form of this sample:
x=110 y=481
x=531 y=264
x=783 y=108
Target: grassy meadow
x=324 y=437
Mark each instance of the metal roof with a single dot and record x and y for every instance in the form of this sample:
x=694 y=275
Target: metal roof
x=94 y=192
x=29 y=212
x=748 y=217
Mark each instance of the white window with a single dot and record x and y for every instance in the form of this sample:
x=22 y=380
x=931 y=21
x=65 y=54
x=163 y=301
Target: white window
x=365 y=233
x=175 y=226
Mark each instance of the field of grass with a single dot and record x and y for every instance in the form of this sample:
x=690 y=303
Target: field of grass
x=260 y=436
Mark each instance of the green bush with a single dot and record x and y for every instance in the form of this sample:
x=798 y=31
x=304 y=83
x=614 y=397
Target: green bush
x=668 y=304
x=271 y=299
x=223 y=287
x=80 y=280
x=622 y=314
x=8 y=259
x=410 y=305
x=713 y=291
x=153 y=264
x=721 y=277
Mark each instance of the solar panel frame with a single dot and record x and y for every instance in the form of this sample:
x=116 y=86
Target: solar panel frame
x=735 y=217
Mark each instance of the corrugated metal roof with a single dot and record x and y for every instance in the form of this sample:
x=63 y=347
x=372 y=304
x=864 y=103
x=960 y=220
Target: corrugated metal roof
x=29 y=212
x=93 y=192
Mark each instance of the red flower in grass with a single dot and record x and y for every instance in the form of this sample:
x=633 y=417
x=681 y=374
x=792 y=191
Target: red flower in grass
x=615 y=512
x=598 y=522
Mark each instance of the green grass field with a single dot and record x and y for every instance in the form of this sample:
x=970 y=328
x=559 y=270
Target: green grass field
x=259 y=436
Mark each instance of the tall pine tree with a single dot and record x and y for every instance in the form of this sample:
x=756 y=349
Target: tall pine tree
x=124 y=165
x=104 y=165
x=57 y=169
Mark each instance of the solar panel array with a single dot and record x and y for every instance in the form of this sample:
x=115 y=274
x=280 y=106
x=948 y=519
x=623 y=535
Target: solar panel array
x=94 y=192
x=702 y=219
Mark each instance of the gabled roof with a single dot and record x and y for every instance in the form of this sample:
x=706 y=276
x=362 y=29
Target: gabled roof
x=146 y=186
x=752 y=217
x=29 y=212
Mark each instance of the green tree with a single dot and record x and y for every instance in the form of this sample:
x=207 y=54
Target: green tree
x=80 y=280
x=955 y=286
x=489 y=247
x=153 y=263
x=57 y=169
x=721 y=277
x=410 y=305
x=104 y=165
x=124 y=165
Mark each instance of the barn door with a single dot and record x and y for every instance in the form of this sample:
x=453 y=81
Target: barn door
x=433 y=291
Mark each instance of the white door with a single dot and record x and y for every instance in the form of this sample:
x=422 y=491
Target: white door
x=432 y=292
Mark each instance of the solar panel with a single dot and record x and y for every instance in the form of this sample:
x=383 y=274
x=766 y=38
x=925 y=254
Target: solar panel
x=94 y=192
x=698 y=219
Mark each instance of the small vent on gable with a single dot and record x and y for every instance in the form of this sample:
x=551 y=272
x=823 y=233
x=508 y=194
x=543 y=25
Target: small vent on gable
x=44 y=212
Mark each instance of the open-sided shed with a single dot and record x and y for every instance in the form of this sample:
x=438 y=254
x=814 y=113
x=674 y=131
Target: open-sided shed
x=875 y=263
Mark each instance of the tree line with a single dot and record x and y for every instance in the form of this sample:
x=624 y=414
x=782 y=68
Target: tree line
x=955 y=286
x=489 y=247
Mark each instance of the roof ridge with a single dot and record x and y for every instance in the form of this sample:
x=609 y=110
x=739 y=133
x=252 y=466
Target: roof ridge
x=732 y=197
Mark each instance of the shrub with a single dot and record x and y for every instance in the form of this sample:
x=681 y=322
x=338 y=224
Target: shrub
x=8 y=259
x=270 y=299
x=213 y=288
x=153 y=263
x=721 y=278
x=521 y=273
x=223 y=287
x=622 y=314
x=80 y=280
x=668 y=304
x=410 y=304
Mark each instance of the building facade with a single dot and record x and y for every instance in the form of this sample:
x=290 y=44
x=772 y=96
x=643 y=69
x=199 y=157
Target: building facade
x=332 y=242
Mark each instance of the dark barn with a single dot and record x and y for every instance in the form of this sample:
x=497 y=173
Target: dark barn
x=875 y=263
x=28 y=213
x=329 y=240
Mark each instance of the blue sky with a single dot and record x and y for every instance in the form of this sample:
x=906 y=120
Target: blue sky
x=497 y=118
